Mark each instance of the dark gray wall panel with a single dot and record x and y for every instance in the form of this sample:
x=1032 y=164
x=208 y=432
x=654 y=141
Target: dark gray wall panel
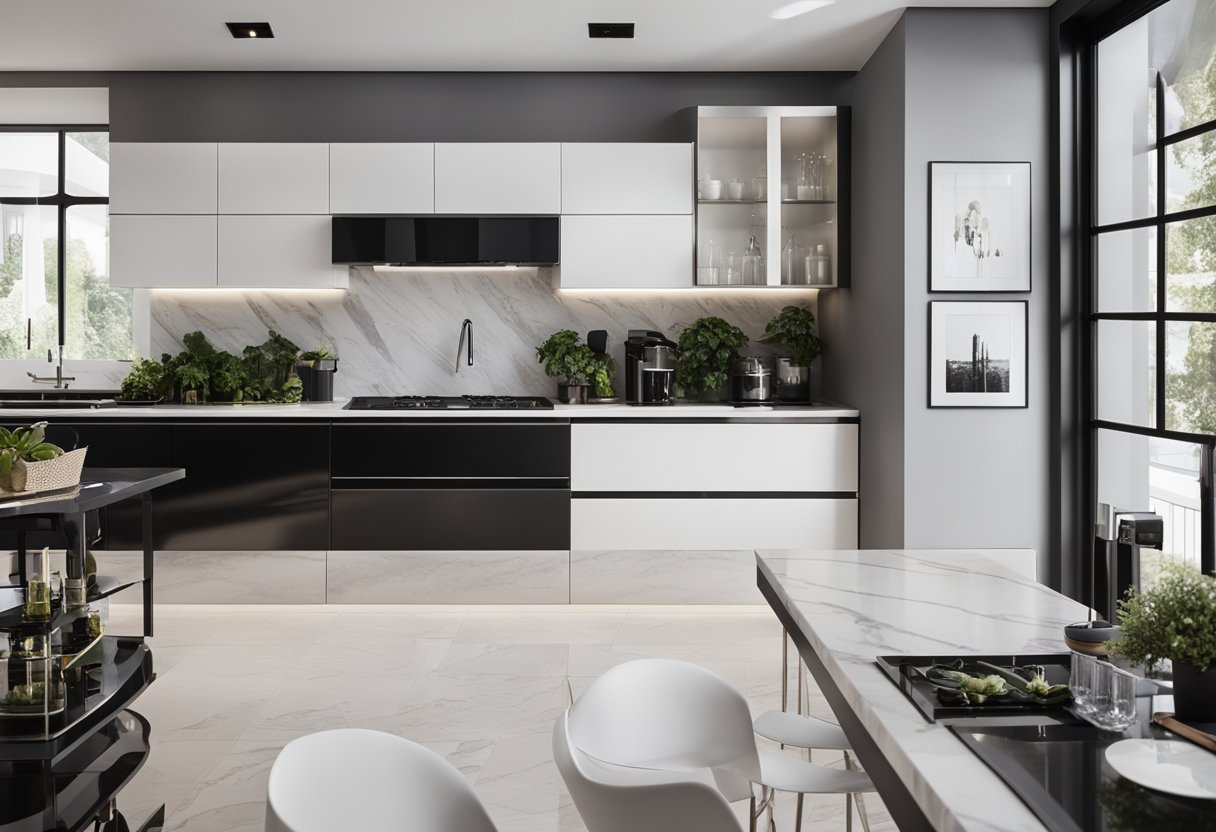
x=443 y=106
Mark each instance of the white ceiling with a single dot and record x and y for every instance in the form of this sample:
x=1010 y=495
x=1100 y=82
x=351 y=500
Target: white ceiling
x=532 y=35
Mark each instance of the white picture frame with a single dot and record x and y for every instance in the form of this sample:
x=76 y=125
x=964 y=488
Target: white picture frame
x=979 y=227
x=977 y=353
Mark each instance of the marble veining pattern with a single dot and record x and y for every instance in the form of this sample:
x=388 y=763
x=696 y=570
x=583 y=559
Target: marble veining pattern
x=396 y=332
x=856 y=605
x=481 y=686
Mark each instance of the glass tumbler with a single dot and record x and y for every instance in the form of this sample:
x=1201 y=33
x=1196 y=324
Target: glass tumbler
x=1081 y=682
x=1114 y=698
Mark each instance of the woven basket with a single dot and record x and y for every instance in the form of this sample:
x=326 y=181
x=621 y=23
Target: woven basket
x=48 y=475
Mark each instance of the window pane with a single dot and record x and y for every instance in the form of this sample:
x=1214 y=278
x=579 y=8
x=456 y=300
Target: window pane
x=1183 y=37
x=1191 y=266
x=1125 y=131
x=1127 y=271
x=1190 y=376
x=1190 y=178
x=1127 y=386
x=1141 y=473
x=87 y=164
x=29 y=164
x=29 y=287
x=99 y=324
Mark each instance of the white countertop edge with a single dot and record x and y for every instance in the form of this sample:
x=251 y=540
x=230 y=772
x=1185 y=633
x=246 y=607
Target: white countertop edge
x=954 y=788
x=334 y=410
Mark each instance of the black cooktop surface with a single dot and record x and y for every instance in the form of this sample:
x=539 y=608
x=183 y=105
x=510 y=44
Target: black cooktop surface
x=449 y=403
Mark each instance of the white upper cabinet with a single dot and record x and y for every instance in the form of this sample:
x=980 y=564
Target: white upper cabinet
x=627 y=252
x=161 y=250
x=624 y=178
x=163 y=177
x=277 y=251
x=382 y=178
x=498 y=178
x=274 y=178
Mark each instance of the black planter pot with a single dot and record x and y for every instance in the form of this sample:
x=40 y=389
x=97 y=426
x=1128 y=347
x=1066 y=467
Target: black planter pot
x=1194 y=693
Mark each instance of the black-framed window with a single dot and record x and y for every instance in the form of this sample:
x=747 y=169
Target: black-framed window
x=1150 y=270
x=54 y=246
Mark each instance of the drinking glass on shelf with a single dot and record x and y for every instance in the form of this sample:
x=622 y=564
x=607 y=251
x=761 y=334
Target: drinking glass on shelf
x=708 y=264
x=734 y=189
x=759 y=188
x=791 y=273
x=731 y=275
x=1081 y=682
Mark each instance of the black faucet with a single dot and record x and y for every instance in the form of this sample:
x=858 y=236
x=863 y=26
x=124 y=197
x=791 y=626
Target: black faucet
x=466 y=327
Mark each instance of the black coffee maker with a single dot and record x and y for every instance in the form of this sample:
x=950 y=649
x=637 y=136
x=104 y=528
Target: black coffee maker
x=1117 y=561
x=650 y=368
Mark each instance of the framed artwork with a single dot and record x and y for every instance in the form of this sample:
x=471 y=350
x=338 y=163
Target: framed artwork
x=979 y=226
x=977 y=353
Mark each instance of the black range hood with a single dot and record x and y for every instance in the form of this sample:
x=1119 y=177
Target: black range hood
x=445 y=241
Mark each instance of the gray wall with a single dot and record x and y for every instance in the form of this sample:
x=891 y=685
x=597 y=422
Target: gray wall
x=864 y=325
x=443 y=106
x=948 y=85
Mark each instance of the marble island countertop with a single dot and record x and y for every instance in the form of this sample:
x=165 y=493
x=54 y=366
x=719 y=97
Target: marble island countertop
x=852 y=606
x=335 y=410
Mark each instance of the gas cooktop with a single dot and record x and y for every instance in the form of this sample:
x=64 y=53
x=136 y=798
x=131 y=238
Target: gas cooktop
x=449 y=403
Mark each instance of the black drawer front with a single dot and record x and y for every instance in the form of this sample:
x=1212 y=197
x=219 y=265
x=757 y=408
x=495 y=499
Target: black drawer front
x=451 y=518
x=451 y=450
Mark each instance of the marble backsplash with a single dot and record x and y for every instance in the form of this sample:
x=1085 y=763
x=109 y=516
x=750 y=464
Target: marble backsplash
x=397 y=332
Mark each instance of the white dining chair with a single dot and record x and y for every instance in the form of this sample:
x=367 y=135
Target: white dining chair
x=353 y=778
x=618 y=799
x=669 y=715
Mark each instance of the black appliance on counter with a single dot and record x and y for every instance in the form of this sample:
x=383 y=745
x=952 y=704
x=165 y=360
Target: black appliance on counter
x=1116 y=565
x=449 y=403
x=650 y=368
x=445 y=241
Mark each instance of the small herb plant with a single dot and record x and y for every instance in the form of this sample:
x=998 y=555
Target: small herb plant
x=709 y=349
x=566 y=358
x=793 y=330
x=1175 y=620
x=147 y=380
x=325 y=352
x=25 y=443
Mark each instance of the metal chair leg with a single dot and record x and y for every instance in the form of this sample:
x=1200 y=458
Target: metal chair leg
x=861 y=802
x=798 y=814
x=785 y=670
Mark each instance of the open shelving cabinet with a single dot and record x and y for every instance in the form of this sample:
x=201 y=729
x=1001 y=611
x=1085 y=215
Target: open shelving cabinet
x=792 y=164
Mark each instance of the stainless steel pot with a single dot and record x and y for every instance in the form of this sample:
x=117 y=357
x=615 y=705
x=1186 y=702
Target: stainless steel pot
x=751 y=382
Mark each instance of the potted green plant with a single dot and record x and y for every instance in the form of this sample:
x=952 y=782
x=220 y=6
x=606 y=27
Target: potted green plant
x=1175 y=620
x=571 y=362
x=602 y=377
x=792 y=332
x=146 y=381
x=316 y=369
x=193 y=380
x=29 y=463
x=708 y=351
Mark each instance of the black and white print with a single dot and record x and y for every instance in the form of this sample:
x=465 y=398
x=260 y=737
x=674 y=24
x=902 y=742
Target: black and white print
x=979 y=227
x=977 y=354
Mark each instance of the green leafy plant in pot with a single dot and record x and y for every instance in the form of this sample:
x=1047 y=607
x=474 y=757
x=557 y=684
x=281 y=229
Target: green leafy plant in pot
x=575 y=366
x=316 y=369
x=1175 y=620
x=708 y=351
x=792 y=332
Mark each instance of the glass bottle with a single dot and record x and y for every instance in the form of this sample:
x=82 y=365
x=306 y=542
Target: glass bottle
x=731 y=276
x=753 y=264
x=708 y=264
x=789 y=261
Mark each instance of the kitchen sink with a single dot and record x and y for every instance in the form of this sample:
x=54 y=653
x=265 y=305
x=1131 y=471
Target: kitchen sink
x=71 y=399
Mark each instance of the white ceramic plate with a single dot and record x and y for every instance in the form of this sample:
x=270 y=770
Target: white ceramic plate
x=1171 y=766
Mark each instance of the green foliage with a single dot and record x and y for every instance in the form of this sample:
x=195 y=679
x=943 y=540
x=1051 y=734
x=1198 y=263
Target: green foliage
x=1176 y=620
x=793 y=330
x=602 y=376
x=10 y=268
x=325 y=352
x=270 y=374
x=25 y=443
x=147 y=380
x=566 y=358
x=709 y=349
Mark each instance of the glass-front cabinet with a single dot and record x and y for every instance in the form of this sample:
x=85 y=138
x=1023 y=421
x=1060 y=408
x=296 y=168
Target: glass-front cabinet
x=772 y=196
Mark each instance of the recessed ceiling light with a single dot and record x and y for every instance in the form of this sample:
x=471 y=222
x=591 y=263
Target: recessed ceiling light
x=799 y=7
x=610 y=30
x=250 y=30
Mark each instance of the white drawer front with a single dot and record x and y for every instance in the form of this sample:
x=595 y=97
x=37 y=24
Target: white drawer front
x=274 y=178
x=627 y=178
x=498 y=178
x=627 y=252
x=382 y=178
x=162 y=251
x=273 y=252
x=713 y=457
x=163 y=177
x=714 y=524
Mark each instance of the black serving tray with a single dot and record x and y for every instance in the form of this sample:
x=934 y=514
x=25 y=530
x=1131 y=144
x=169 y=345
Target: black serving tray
x=906 y=673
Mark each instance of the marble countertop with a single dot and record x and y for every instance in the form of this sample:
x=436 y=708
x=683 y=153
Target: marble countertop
x=334 y=410
x=853 y=606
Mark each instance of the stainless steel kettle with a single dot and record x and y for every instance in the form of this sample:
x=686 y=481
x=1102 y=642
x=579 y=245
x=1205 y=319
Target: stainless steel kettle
x=751 y=382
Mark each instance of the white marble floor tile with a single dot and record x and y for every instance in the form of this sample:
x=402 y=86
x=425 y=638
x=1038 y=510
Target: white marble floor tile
x=466 y=658
x=547 y=627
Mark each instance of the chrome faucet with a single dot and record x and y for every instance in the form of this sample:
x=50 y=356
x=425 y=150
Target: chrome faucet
x=59 y=379
x=466 y=327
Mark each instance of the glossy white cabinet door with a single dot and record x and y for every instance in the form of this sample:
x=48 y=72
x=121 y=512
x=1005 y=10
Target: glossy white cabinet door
x=712 y=523
x=382 y=178
x=274 y=178
x=627 y=178
x=745 y=457
x=277 y=251
x=149 y=251
x=627 y=252
x=498 y=178
x=163 y=177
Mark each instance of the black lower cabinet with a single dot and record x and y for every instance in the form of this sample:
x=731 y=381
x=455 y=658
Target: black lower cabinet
x=451 y=518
